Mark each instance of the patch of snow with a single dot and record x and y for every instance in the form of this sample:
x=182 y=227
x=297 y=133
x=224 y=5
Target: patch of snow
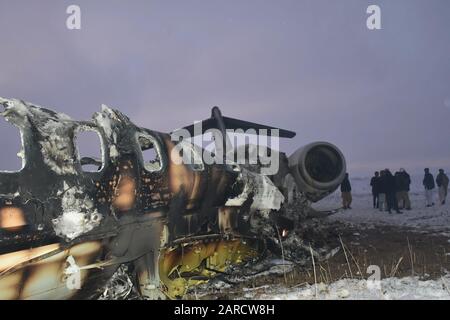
x=409 y=288
x=265 y=195
x=72 y=267
x=73 y=224
x=105 y=120
x=79 y=214
x=113 y=152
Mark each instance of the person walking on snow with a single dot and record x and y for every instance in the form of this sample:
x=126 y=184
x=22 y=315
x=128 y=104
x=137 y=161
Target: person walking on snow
x=442 y=183
x=428 y=183
x=346 y=190
x=374 y=183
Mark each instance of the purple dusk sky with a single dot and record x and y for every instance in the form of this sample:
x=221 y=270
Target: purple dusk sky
x=310 y=66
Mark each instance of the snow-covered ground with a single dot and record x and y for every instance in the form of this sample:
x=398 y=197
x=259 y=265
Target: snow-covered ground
x=410 y=288
x=435 y=219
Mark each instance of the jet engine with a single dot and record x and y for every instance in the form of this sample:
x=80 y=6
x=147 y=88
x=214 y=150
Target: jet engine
x=318 y=169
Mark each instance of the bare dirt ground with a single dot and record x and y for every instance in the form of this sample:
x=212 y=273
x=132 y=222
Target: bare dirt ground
x=397 y=251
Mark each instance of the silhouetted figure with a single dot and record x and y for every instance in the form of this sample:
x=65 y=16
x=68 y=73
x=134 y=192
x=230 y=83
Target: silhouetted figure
x=382 y=205
x=391 y=189
x=375 y=184
x=428 y=183
x=402 y=183
x=346 y=191
x=442 y=183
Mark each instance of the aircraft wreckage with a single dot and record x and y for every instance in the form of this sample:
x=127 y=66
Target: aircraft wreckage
x=64 y=231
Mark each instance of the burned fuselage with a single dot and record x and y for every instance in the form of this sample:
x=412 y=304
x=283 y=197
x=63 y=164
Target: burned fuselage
x=64 y=230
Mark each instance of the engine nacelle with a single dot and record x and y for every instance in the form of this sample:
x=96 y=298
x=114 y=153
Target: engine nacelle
x=318 y=169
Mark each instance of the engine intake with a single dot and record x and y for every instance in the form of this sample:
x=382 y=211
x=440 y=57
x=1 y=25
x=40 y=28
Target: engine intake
x=318 y=169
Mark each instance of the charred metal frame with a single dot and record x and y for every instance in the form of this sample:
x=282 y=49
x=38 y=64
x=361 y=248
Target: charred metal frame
x=125 y=213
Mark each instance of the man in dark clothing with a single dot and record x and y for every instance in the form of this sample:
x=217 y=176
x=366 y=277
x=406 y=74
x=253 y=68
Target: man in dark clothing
x=374 y=183
x=382 y=191
x=346 y=190
x=403 y=181
x=442 y=183
x=390 y=192
x=428 y=183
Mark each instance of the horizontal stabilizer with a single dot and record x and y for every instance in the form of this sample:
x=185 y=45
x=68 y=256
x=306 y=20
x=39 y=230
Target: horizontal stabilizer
x=231 y=123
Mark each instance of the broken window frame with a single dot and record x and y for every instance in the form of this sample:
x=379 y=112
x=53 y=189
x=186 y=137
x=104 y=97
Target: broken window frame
x=157 y=147
x=90 y=128
x=22 y=150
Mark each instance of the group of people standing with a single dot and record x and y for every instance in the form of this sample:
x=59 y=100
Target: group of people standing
x=391 y=191
x=441 y=182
